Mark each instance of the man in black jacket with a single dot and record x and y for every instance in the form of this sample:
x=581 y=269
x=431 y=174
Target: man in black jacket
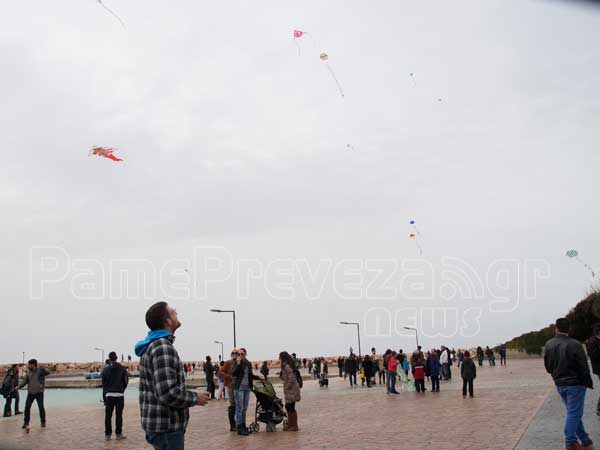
x=565 y=360
x=114 y=382
x=209 y=371
x=593 y=350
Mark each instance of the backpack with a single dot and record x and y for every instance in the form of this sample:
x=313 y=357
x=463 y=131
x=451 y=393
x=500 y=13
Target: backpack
x=298 y=378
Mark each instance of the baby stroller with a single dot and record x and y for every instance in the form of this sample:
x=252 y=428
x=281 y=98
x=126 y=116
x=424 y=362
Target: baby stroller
x=269 y=408
x=323 y=380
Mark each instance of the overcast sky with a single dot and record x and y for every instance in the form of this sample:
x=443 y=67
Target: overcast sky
x=232 y=140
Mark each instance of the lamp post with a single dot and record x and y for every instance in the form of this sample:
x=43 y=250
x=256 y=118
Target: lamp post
x=100 y=350
x=221 y=356
x=23 y=358
x=228 y=311
x=416 y=334
x=357 y=331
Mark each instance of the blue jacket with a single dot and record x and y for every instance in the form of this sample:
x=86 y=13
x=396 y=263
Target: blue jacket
x=432 y=367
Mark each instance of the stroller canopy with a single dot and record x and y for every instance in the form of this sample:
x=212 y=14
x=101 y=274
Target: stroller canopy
x=265 y=388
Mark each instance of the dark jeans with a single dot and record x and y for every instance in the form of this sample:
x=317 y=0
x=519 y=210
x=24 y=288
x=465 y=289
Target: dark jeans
x=340 y=370
x=113 y=404
x=392 y=379
x=420 y=385
x=470 y=385
x=7 y=406
x=435 y=383
x=210 y=387
x=39 y=398
x=502 y=360
x=167 y=441
x=382 y=377
x=290 y=407
x=480 y=360
x=352 y=377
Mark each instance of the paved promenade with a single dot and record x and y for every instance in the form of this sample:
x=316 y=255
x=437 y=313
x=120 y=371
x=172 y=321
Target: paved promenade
x=545 y=432
x=506 y=400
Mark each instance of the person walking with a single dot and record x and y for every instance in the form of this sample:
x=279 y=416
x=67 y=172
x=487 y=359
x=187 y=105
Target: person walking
x=35 y=381
x=225 y=371
x=460 y=356
x=163 y=395
x=368 y=370
x=242 y=377
x=565 y=360
x=114 y=383
x=264 y=370
x=432 y=370
x=468 y=372
x=209 y=372
x=351 y=368
x=489 y=354
x=444 y=363
x=480 y=356
x=10 y=391
x=340 y=364
x=502 y=352
x=593 y=350
x=291 y=389
x=392 y=366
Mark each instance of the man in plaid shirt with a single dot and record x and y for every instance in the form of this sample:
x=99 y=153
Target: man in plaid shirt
x=164 y=399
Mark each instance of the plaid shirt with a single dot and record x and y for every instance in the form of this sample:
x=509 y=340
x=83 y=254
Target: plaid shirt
x=164 y=400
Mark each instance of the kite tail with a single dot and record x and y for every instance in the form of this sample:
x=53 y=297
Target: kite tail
x=336 y=80
x=297 y=45
x=112 y=157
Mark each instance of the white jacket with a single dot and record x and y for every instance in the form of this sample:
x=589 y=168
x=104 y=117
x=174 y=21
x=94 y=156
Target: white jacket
x=444 y=357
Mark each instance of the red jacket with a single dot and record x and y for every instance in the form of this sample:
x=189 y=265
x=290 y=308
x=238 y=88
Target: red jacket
x=392 y=364
x=419 y=373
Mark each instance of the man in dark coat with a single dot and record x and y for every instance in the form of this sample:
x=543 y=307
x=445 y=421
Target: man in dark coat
x=468 y=372
x=565 y=360
x=114 y=383
x=209 y=370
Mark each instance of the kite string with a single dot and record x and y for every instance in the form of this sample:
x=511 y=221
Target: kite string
x=335 y=79
x=111 y=12
x=586 y=266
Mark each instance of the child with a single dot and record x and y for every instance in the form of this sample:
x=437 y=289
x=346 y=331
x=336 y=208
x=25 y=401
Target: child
x=221 y=392
x=406 y=386
x=468 y=372
x=419 y=374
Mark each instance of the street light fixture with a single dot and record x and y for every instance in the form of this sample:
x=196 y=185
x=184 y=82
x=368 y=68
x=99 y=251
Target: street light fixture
x=228 y=311
x=221 y=356
x=100 y=350
x=416 y=334
x=357 y=331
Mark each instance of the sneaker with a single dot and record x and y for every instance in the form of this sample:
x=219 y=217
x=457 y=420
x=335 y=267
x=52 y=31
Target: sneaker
x=575 y=446
x=120 y=437
x=589 y=444
x=18 y=412
x=107 y=437
x=25 y=425
x=43 y=424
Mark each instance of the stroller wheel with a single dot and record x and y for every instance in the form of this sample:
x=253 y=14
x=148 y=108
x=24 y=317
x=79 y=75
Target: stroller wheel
x=285 y=424
x=270 y=427
x=254 y=427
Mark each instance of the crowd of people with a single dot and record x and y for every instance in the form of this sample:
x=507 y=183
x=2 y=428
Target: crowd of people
x=164 y=399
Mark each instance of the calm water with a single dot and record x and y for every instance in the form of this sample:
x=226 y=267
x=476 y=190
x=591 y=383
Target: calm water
x=69 y=398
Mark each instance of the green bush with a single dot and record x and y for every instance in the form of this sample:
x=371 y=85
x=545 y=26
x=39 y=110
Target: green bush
x=583 y=316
